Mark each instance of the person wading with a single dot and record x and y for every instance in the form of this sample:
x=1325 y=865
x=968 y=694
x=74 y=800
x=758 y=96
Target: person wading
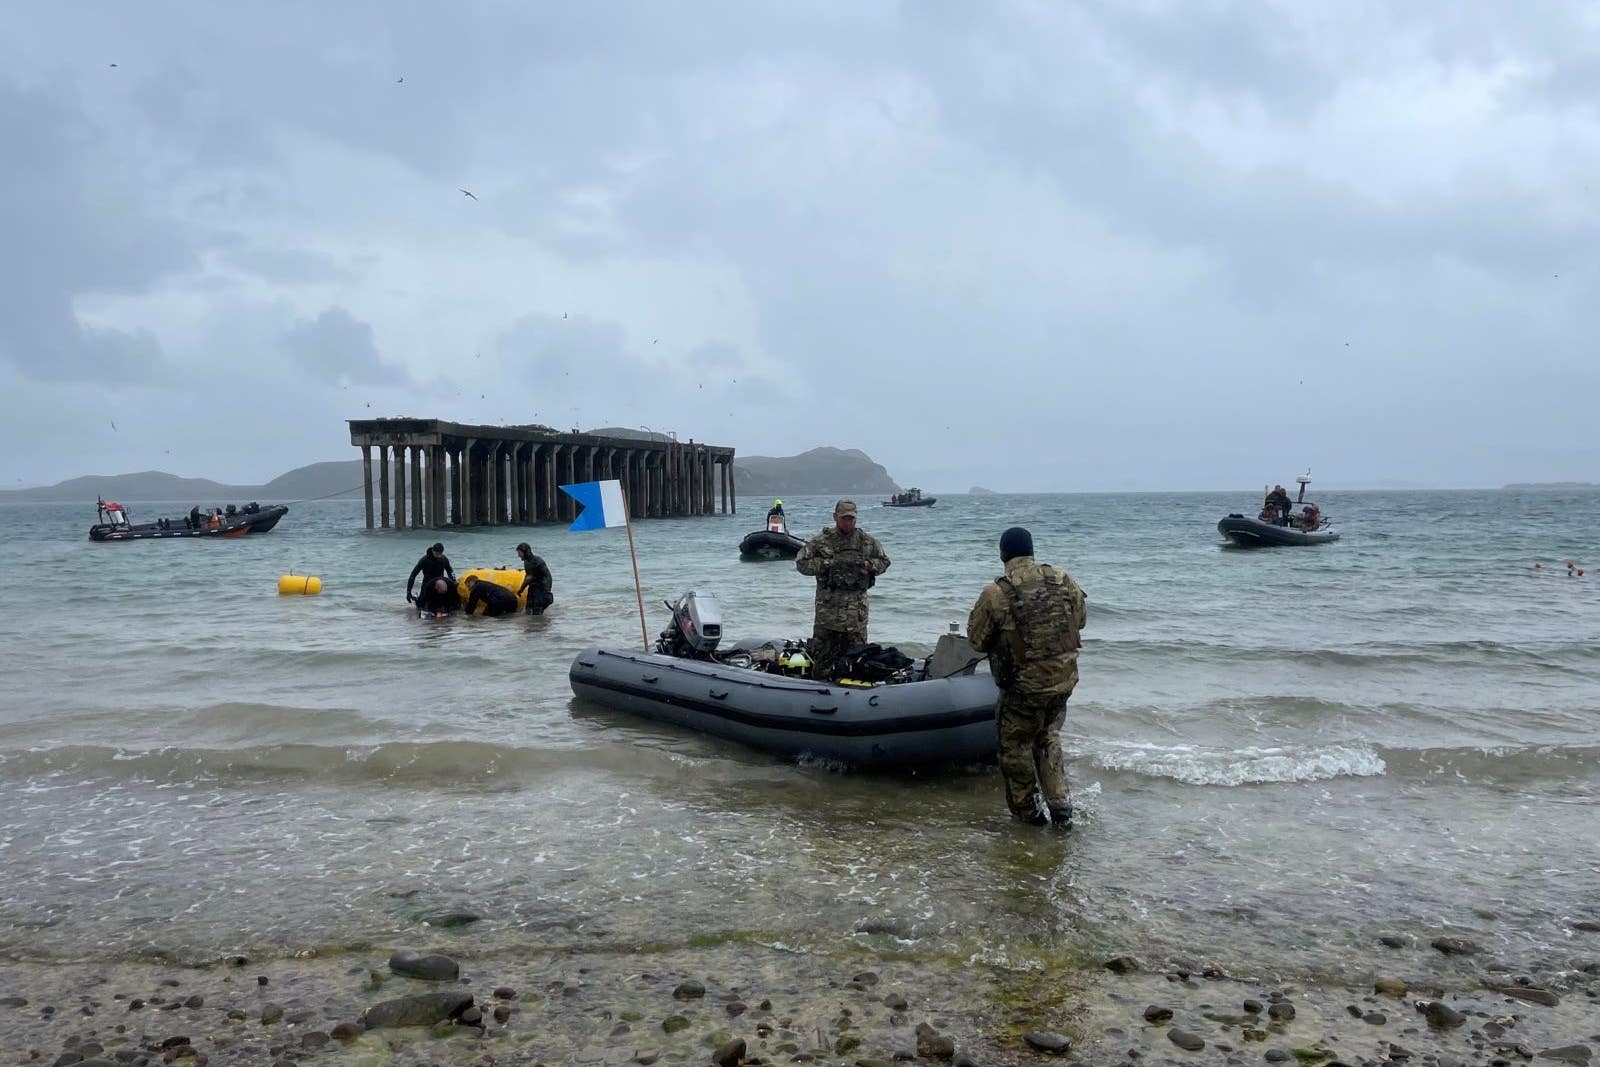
x=433 y=565
x=1028 y=621
x=537 y=581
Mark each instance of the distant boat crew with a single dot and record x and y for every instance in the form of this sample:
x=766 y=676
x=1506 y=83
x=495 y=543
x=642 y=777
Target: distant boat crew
x=911 y=498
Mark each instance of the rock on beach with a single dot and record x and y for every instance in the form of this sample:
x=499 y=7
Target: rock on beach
x=421 y=1009
x=431 y=968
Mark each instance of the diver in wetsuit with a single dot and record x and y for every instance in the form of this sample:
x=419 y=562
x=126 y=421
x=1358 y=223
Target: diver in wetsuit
x=433 y=564
x=496 y=599
x=438 y=596
x=537 y=581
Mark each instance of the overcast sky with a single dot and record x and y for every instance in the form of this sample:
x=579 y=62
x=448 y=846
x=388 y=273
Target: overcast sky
x=1048 y=246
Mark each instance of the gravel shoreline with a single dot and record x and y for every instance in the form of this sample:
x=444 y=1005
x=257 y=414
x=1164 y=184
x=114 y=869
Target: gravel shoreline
x=1438 y=1004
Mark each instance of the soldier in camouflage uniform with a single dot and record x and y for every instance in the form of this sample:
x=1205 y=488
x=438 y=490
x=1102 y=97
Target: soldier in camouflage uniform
x=846 y=562
x=1028 y=621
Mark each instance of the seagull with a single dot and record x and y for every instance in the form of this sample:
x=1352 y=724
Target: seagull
x=465 y=193
x=563 y=314
x=656 y=341
x=113 y=425
x=399 y=80
x=111 y=64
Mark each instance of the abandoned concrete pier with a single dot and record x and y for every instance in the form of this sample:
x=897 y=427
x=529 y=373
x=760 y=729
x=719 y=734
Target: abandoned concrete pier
x=462 y=475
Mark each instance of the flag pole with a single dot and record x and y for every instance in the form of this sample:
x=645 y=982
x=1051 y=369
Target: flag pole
x=627 y=520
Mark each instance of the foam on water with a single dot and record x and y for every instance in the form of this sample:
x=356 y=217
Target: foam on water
x=1248 y=766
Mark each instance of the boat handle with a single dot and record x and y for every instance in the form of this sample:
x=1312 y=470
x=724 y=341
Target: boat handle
x=586 y=663
x=719 y=696
x=651 y=678
x=872 y=702
x=829 y=710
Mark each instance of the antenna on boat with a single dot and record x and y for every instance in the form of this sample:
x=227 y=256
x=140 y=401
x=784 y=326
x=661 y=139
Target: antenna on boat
x=1304 y=480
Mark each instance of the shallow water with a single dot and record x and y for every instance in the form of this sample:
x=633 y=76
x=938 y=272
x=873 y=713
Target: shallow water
x=1279 y=753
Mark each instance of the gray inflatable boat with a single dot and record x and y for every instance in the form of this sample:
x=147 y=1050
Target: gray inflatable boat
x=945 y=719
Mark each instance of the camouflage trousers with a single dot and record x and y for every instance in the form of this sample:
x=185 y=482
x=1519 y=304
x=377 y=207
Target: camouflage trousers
x=1030 y=752
x=827 y=646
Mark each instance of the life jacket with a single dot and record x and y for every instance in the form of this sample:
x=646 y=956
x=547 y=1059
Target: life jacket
x=1045 y=629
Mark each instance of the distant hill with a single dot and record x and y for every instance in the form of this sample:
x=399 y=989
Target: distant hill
x=1552 y=485
x=821 y=471
x=334 y=478
x=979 y=490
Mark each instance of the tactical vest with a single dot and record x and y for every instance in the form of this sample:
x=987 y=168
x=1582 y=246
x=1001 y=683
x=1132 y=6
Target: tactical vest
x=847 y=568
x=1045 y=626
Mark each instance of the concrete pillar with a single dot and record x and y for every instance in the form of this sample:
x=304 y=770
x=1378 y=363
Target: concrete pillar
x=694 y=480
x=383 y=485
x=550 y=479
x=366 y=480
x=441 y=456
x=454 y=460
x=493 y=490
x=469 y=513
x=733 y=492
x=536 y=484
x=533 y=484
x=399 y=487
x=518 y=517
x=416 y=487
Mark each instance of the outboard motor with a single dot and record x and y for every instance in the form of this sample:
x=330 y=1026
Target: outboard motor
x=695 y=629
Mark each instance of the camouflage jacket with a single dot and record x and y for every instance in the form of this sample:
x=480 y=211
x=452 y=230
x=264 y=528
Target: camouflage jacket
x=845 y=568
x=992 y=622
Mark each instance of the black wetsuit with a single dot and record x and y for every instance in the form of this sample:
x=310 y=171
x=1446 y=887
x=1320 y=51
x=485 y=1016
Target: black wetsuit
x=430 y=567
x=496 y=599
x=430 y=599
x=539 y=583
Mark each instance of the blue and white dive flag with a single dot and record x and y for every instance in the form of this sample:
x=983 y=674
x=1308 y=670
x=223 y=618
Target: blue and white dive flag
x=600 y=505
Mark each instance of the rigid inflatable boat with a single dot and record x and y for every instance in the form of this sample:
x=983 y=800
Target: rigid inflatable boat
x=769 y=544
x=114 y=524
x=1253 y=533
x=1277 y=524
x=941 y=713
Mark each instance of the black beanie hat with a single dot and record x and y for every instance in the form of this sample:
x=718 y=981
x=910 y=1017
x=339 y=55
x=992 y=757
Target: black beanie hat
x=1015 y=542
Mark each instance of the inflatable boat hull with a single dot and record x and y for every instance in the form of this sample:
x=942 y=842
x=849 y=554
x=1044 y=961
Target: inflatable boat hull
x=239 y=524
x=941 y=721
x=766 y=545
x=1253 y=533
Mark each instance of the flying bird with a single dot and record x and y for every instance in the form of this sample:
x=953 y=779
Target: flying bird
x=399 y=80
x=465 y=193
x=110 y=64
x=113 y=425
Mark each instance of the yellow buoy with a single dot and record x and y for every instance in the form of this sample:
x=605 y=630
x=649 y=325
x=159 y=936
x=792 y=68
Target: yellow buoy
x=299 y=585
x=509 y=577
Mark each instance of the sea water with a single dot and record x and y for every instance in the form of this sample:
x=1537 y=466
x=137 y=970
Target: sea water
x=1277 y=754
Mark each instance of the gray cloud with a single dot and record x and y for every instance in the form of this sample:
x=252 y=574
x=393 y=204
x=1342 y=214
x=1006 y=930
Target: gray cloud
x=1011 y=245
x=337 y=347
x=71 y=229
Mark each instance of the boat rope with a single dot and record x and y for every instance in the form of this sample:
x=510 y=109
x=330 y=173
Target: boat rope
x=325 y=496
